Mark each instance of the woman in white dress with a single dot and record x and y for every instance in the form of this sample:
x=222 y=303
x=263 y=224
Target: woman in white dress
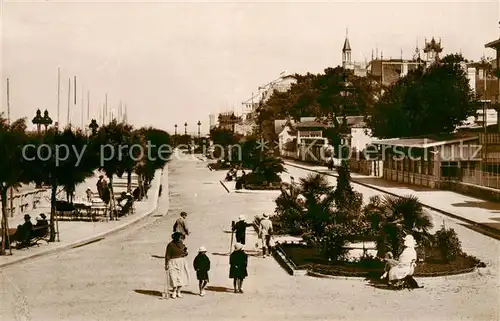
x=406 y=262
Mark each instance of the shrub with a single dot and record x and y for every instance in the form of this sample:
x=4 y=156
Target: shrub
x=448 y=243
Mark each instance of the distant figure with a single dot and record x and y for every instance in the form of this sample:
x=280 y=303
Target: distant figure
x=201 y=265
x=88 y=192
x=181 y=225
x=240 y=229
x=238 y=261
x=99 y=185
x=265 y=232
x=41 y=227
x=176 y=265
x=70 y=192
x=330 y=164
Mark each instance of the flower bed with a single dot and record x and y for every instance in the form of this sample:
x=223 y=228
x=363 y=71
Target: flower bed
x=306 y=257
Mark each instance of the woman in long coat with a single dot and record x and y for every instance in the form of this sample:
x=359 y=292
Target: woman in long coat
x=176 y=265
x=238 y=261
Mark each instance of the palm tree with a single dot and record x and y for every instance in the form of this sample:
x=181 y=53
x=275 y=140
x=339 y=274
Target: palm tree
x=309 y=207
x=393 y=217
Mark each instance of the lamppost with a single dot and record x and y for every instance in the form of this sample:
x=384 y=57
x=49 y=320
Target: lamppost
x=38 y=120
x=199 y=133
x=185 y=128
x=175 y=126
x=93 y=126
x=46 y=120
x=344 y=92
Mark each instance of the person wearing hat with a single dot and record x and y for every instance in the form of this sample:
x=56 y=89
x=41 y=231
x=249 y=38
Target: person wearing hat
x=265 y=232
x=41 y=221
x=201 y=265
x=176 y=265
x=88 y=192
x=406 y=261
x=24 y=231
x=238 y=261
x=240 y=229
x=181 y=226
x=41 y=227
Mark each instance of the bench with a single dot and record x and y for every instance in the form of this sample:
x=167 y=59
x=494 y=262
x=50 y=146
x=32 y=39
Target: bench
x=37 y=234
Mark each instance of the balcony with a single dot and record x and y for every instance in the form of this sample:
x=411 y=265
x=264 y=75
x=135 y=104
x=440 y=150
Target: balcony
x=489 y=138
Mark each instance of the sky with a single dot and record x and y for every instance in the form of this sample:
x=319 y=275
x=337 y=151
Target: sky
x=173 y=62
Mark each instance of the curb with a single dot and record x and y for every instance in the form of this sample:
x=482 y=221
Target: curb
x=482 y=228
x=421 y=278
x=94 y=238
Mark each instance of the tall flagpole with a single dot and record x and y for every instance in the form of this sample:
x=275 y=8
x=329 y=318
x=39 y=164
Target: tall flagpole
x=82 y=108
x=58 y=94
x=105 y=107
x=68 y=121
x=88 y=106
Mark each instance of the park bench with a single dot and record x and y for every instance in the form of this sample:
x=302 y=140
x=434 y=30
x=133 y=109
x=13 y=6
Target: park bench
x=38 y=233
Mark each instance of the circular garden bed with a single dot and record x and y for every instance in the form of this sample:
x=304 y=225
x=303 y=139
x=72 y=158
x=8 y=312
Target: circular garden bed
x=309 y=258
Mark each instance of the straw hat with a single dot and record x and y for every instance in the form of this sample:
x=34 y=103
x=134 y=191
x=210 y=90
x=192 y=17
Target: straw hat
x=265 y=215
x=409 y=241
x=241 y=218
x=202 y=249
x=238 y=246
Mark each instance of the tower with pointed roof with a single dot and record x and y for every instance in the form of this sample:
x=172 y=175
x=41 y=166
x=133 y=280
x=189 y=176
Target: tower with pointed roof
x=346 y=54
x=432 y=50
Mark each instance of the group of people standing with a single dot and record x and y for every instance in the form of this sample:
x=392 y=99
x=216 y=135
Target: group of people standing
x=176 y=266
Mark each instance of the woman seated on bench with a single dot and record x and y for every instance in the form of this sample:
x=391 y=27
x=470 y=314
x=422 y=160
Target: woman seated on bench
x=125 y=202
x=42 y=226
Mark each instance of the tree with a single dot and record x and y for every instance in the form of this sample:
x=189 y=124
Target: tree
x=157 y=154
x=348 y=203
x=393 y=217
x=12 y=169
x=427 y=101
x=113 y=140
x=59 y=159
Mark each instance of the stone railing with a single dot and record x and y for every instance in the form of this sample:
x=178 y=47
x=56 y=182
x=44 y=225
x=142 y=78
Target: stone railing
x=25 y=201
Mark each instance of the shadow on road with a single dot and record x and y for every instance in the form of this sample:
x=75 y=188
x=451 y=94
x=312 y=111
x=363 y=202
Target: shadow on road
x=218 y=289
x=221 y=254
x=159 y=294
x=158 y=256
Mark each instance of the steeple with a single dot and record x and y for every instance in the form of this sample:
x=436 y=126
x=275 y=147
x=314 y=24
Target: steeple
x=346 y=53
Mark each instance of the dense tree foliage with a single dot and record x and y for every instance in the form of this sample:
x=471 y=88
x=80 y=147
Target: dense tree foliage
x=426 y=101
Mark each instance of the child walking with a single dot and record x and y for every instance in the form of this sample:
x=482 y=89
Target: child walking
x=201 y=264
x=238 y=261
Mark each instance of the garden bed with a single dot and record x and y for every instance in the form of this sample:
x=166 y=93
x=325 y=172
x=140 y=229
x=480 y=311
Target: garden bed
x=268 y=187
x=306 y=257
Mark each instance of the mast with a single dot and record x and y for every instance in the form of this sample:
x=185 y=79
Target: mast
x=58 y=94
x=68 y=121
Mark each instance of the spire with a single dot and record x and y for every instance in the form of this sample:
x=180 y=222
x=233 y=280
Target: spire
x=372 y=54
x=347 y=45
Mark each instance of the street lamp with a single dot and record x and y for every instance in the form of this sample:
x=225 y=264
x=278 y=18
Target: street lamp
x=38 y=120
x=175 y=129
x=46 y=120
x=93 y=126
x=185 y=128
x=199 y=124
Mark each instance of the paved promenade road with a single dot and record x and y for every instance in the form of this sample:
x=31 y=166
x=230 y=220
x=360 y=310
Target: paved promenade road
x=121 y=277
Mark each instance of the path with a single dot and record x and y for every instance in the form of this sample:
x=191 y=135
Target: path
x=120 y=278
x=73 y=233
x=484 y=213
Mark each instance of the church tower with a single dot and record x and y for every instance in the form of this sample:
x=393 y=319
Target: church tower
x=346 y=54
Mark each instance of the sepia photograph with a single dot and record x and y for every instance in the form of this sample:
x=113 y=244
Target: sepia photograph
x=250 y=160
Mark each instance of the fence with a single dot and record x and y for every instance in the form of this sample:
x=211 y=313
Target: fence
x=480 y=178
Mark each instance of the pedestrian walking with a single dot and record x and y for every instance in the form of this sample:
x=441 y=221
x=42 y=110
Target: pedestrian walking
x=201 y=265
x=265 y=232
x=180 y=225
x=176 y=265
x=240 y=229
x=238 y=261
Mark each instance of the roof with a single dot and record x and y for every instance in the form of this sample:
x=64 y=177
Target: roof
x=347 y=45
x=493 y=44
x=353 y=121
x=309 y=124
x=428 y=140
